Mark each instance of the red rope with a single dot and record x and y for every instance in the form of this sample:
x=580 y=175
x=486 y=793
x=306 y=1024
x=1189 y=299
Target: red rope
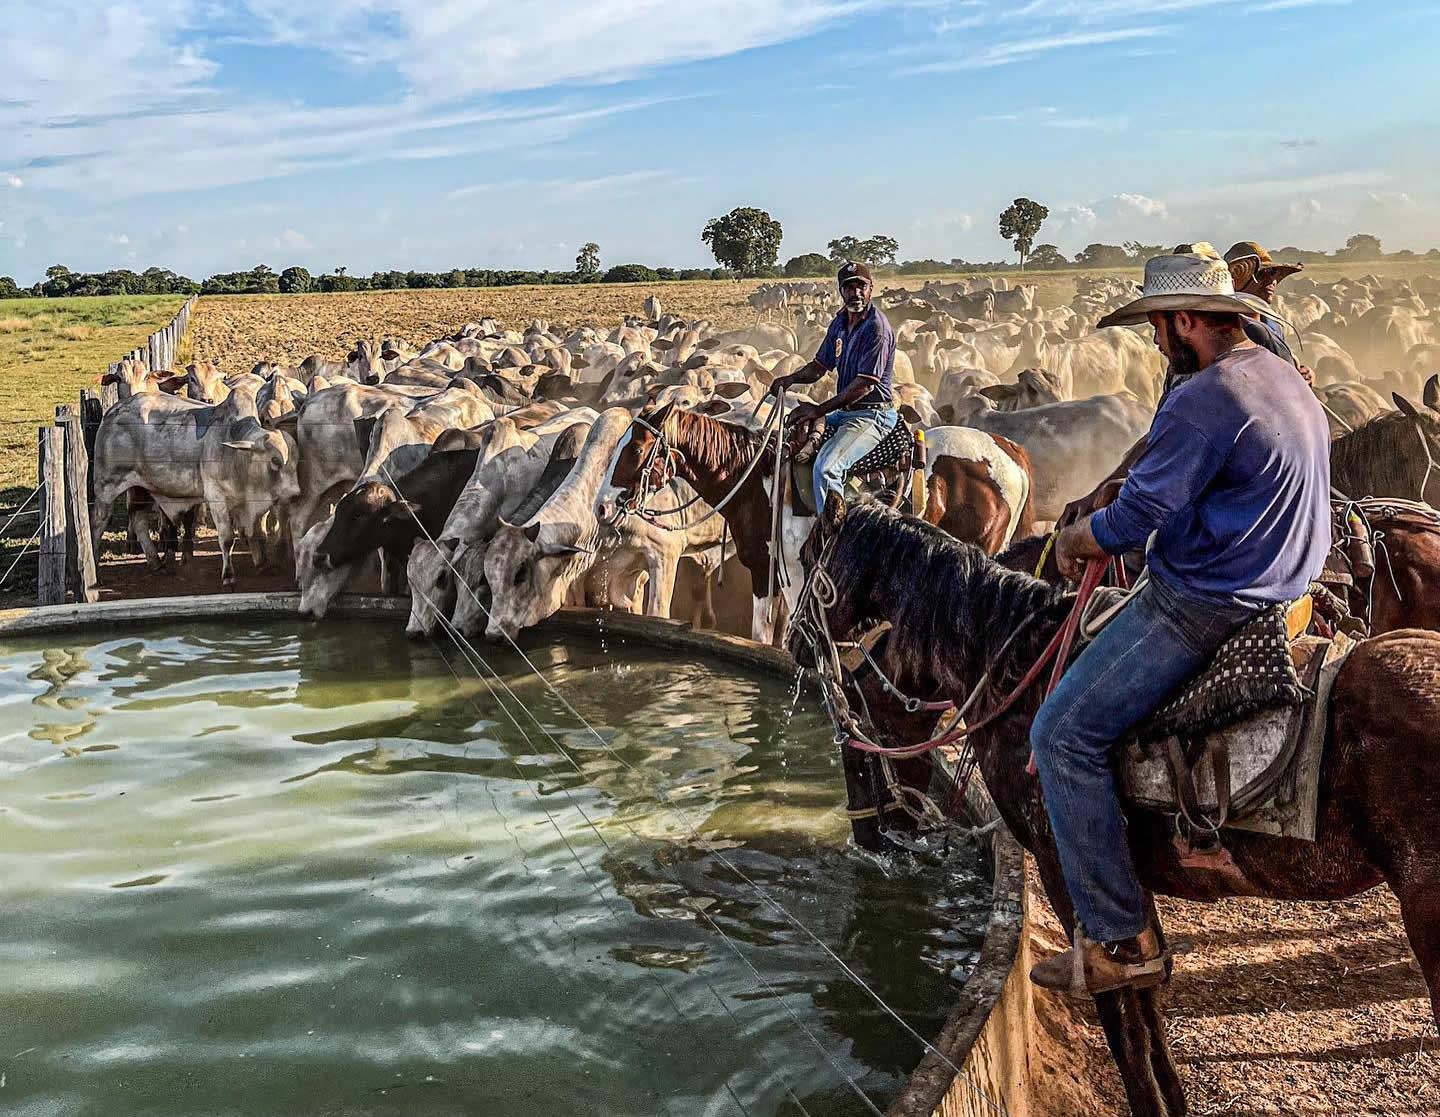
x=1059 y=643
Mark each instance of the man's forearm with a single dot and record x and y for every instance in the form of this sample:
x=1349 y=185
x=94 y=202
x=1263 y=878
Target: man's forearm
x=807 y=374
x=858 y=390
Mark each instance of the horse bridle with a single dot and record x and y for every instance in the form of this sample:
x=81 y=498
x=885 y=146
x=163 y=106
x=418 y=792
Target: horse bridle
x=645 y=487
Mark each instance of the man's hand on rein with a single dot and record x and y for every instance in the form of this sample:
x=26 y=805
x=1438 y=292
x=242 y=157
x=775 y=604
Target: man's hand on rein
x=1074 y=547
x=778 y=385
x=802 y=413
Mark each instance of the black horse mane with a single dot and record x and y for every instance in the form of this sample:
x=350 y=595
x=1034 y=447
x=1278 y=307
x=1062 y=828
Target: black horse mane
x=951 y=606
x=1384 y=457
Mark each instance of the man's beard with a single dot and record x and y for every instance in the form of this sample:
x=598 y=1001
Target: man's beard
x=1184 y=360
x=855 y=305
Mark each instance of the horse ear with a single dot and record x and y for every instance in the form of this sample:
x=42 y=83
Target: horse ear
x=832 y=517
x=1431 y=397
x=1405 y=406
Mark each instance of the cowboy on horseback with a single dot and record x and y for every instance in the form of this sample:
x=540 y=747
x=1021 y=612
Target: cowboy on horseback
x=1232 y=490
x=859 y=347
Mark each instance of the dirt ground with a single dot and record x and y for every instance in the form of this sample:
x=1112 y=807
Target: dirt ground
x=238 y=330
x=1306 y=1010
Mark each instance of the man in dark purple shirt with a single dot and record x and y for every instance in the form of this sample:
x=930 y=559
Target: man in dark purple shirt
x=859 y=347
x=1233 y=490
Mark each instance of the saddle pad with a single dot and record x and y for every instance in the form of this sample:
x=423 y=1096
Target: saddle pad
x=1274 y=757
x=894 y=450
x=1252 y=671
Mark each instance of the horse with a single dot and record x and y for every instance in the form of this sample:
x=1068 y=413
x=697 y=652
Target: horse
x=1395 y=454
x=959 y=619
x=978 y=486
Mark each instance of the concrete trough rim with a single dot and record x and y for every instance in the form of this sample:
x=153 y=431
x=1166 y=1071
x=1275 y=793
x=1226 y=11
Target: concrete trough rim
x=934 y=1078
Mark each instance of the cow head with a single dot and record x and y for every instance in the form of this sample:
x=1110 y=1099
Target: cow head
x=530 y=570
x=363 y=518
x=433 y=585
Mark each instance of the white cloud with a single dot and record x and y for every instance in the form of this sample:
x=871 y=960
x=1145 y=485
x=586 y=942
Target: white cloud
x=13 y=181
x=292 y=241
x=117 y=238
x=1022 y=50
x=1139 y=203
x=452 y=48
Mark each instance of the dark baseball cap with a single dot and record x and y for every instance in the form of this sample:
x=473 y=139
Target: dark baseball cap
x=853 y=269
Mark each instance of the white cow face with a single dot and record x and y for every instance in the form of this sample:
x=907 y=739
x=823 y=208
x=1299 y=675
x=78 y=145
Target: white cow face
x=529 y=576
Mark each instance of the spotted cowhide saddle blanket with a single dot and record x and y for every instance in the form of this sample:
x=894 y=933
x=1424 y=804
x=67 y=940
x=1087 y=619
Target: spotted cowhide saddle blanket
x=883 y=468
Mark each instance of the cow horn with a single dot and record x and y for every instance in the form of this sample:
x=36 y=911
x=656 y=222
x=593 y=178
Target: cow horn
x=558 y=550
x=1431 y=397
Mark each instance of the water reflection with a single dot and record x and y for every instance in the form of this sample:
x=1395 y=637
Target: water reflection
x=329 y=870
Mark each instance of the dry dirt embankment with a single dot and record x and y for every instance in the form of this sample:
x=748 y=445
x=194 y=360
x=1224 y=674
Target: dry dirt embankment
x=1301 y=1010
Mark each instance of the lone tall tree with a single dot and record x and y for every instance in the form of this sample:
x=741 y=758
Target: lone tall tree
x=876 y=250
x=745 y=239
x=587 y=263
x=1020 y=223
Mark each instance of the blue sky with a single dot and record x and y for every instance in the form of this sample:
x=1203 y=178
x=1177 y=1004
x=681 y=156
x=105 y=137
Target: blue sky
x=205 y=135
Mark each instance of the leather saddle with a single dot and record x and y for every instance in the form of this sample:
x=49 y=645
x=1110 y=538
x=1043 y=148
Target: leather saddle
x=1240 y=745
x=882 y=470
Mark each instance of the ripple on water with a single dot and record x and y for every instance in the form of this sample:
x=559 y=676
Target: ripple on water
x=314 y=871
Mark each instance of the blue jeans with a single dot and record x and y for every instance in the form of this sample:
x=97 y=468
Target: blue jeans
x=859 y=432
x=1157 y=642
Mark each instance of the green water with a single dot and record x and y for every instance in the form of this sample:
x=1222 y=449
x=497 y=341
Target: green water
x=266 y=868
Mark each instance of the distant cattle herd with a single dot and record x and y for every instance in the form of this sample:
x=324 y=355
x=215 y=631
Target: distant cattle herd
x=473 y=465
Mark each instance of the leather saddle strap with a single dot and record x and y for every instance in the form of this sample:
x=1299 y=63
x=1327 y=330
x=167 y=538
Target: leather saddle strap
x=1183 y=778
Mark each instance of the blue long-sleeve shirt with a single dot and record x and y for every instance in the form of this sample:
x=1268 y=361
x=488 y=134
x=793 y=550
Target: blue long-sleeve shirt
x=1236 y=482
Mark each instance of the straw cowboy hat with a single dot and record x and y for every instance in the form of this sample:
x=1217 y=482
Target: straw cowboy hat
x=1193 y=277
x=1247 y=259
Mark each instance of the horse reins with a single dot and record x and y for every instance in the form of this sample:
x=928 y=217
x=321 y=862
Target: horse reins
x=812 y=612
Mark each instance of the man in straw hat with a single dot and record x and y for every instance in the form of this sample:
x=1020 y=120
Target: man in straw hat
x=1233 y=486
x=1255 y=277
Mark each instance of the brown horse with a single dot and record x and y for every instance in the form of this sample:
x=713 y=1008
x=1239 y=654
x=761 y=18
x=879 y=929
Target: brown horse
x=979 y=489
x=955 y=614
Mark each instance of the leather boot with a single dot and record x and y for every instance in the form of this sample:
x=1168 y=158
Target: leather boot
x=1089 y=967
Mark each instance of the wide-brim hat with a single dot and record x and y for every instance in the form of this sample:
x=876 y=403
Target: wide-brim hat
x=1246 y=259
x=1193 y=277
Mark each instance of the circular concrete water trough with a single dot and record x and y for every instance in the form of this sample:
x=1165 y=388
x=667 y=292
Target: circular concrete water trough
x=986 y=1032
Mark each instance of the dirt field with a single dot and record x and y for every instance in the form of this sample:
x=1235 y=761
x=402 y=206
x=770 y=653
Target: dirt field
x=238 y=330
x=1302 y=1010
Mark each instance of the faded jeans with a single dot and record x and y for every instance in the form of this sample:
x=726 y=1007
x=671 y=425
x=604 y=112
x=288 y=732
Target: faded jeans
x=859 y=432
x=1157 y=642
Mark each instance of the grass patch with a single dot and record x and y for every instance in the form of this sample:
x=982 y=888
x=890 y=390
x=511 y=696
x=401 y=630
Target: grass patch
x=49 y=350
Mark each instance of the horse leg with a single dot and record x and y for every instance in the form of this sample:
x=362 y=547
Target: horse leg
x=1162 y=1062
x=1124 y=1015
x=1418 y=891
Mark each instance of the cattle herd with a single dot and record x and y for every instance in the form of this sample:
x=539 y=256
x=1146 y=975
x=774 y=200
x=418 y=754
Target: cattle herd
x=476 y=466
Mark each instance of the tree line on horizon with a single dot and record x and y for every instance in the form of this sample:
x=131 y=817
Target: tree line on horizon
x=745 y=243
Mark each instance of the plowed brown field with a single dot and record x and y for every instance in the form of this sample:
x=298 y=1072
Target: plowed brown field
x=237 y=330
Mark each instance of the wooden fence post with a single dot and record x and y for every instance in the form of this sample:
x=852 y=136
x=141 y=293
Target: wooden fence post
x=79 y=555
x=110 y=393
x=92 y=411
x=52 y=517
